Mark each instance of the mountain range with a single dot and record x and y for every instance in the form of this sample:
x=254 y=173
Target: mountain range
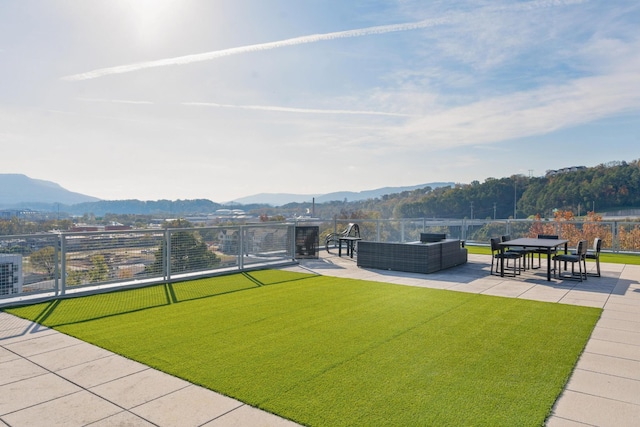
x=19 y=191
x=279 y=199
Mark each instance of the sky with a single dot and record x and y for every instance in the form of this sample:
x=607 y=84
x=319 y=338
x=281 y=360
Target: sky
x=223 y=99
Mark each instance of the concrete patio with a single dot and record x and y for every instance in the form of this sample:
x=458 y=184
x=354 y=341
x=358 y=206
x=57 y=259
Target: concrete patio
x=50 y=379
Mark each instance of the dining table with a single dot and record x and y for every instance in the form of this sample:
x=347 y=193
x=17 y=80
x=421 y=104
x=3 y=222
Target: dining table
x=550 y=245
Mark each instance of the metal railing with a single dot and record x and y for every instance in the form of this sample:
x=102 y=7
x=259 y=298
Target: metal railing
x=43 y=266
x=618 y=236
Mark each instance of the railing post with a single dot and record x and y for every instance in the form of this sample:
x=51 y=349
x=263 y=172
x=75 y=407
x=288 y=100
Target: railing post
x=167 y=255
x=292 y=241
x=63 y=263
x=56 y=270
x=241 y=248
x=463 y=229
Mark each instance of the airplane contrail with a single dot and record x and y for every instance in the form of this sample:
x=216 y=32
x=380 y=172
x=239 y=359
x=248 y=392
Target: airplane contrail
x=188 y=59
x=382 y=29
x=295 y=110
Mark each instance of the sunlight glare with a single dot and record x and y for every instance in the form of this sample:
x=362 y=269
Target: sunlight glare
x=151 y=18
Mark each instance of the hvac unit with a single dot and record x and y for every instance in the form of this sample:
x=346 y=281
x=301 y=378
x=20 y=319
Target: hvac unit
x=10 y=274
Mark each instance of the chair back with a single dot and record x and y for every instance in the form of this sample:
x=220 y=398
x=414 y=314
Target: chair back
x=352 y=230
x=581 y=249
x=495 y=244
x=597 y=245
x=548 y=236
x=506 y=237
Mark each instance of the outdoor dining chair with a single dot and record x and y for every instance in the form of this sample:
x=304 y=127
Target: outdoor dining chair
x=579 y=256
x=525 y=253
x=497 y=255
x=594 y=254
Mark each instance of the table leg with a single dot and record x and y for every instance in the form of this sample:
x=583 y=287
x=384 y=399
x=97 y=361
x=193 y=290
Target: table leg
x=548 y=264
x=502 y=262
x=339 y=247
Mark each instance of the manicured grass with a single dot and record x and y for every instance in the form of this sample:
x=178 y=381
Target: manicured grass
x=325 y=351
x=613 y=258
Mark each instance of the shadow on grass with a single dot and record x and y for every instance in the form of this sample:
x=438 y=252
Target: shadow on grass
x=68 y=311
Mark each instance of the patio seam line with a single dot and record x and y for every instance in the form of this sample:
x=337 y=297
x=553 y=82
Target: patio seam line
x=229 y=411
x=605 y=373
x=619 y=330
x=158 y=397
x=602 y=397
x=24 y=333
x=119 y=378
x=71 y=382
x=124 y=411
x=25 y=378
x=569 y=419
x=608 y=355
x=63 y=348
x=622 y=329
x=40 y=403
x=622 y=303
x=82 y=363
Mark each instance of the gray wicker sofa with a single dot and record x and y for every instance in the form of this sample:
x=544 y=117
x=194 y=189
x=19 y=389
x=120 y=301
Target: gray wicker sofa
x=415 y=257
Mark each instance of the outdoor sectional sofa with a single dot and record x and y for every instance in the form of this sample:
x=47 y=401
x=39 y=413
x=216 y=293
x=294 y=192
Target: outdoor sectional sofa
x=433 y=253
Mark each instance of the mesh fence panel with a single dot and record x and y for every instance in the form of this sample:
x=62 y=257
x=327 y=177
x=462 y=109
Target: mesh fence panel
x=92 y=258
x=29 y=264
x=265 y=243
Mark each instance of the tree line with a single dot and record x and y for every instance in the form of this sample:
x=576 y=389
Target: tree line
x=606 y=187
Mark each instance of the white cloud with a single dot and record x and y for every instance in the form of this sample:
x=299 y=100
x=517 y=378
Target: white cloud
x=527 y=113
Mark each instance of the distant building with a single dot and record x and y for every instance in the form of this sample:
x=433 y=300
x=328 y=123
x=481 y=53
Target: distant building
x=18 y=213
x=89 y=228
x=564 y=170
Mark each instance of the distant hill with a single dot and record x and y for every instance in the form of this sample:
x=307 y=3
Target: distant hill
x=280 y=199
x=17 y=190
x=140 y=207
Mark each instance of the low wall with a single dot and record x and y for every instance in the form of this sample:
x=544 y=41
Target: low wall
x=411 y=257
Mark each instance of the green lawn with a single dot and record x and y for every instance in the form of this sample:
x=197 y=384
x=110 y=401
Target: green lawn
x=325 y=351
